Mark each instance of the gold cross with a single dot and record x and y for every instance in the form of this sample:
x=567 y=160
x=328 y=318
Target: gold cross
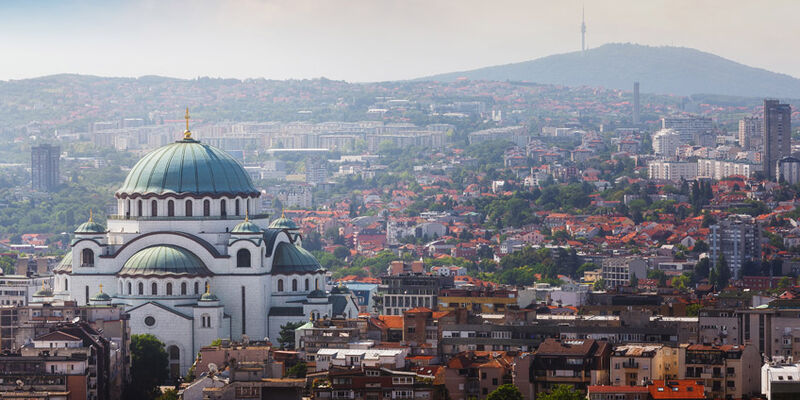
x=188 y=133
x=101 y=288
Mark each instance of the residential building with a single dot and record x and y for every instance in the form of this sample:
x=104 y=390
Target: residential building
x=394 y=358
x=371 y=383
x=410 y=290
x=605 y=392
x=738 y=239
x=478 y=300
x=576 y=362
x=666 y=142
x=672 y=170
x=721 y=169
x=45 y=172
x=777 y=135
x=475 y=374
x=751 y=133
x=618 y=271
x=780 y=380
x=689 y=128
x=676 y=389
x=727 y=371
x=638 y=364
x=316 y=170
x=788 y=170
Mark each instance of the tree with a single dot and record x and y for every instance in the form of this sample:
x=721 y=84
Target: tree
x=286 y=338
x=149 y=367
x=505 y=392
x=169 y=394
x=634 y=281
x=341 y=252
x=561 y=392
x=700 y=247
x=702 y=268
x=723 y=272
x=313 y=241
x=599 y=284
x=297 y=371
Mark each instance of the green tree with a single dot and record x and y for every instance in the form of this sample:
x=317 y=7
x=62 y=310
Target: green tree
x=169 y=394
x=693 y=310
x=149 y=367
x=702 y=268
x=286 y=335
x=599 y=284
x=723 y=272
x=505 y=392
x=341 y=252
x=297 y=371
x=561 y=392
x=634 y=283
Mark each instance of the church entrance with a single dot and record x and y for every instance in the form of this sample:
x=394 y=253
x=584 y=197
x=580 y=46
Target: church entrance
x=174 y=361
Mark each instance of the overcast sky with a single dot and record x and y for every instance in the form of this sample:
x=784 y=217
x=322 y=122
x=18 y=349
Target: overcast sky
x=369 y=40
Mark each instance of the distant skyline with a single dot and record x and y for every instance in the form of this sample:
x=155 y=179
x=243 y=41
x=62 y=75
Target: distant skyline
x=362 y=40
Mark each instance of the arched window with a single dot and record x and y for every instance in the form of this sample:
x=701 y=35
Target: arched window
x=280 y=285
x=130 y=292
x=223 y=209
x=196 y=288
x=66 y=284
x=183 y=288
x=294 y=285
x=306 y=284
x=206 y=208
x=188 y=208
x=154 y=289
x=169 y=289
x=139 y=208
x=236 y=205
x=243 y=258
x=141 y=288
x=154 y=208
x=128 y=209
x=170 y=208
x=87 y=258
x=174 y=353
x=206 y=320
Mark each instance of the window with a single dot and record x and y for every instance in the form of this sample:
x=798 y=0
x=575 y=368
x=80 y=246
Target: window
x=87 y=258
x=174 y=353
x=206 y=208
x=223 y=209
x=306 y=284
x=183 y=288
x=243 y=258
x=196 y=288
x=141 y=288
x=280 y=285
x=188 y=208
x=154 y=289
x=170 y=208
x=154 y=208
x=139 y=208
x=205 y=320
x=494 y=381
x=66 y=285
x=129 y=289
x=169 y=289
x=236 y=206
x=149 y=321
x=294 y=285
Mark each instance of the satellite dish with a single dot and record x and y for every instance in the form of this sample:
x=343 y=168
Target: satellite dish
x=76 y=320
x=245 y=339
x=20 y=383
x=212 y=368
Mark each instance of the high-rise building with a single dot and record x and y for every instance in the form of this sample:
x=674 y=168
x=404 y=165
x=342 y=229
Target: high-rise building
x=45 y=167
x=316 y=170
x=777 y=135
x=666 y=142
x=789 y=170
x=738 y=238
x=583 y=32
x=636 y=103
x=691 y=129
x=751 y=132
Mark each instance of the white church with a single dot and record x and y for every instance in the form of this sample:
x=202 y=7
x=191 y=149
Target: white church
x=192 y=259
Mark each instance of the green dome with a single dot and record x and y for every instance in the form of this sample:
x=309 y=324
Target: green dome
x=208 y=297
x=283 y=223
x=161 y=260
x=246 y=226
x=65 y=265
x=100 y=297
x=43 y=292
x=291 y=259
x=317 y=294
x=90 y=227
x=188 y=167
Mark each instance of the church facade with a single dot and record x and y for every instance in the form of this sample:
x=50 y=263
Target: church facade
x=193 y=260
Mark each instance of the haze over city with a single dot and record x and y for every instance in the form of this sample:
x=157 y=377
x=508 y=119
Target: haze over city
x=367 y=40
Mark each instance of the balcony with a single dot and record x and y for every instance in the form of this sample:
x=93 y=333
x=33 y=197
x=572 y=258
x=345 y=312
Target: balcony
x=630 y=364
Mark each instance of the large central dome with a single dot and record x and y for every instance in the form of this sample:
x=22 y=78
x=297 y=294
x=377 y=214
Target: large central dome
x=187 y=167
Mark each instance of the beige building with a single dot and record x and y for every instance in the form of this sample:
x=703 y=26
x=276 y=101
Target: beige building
x=727 y=371
x=636 y=364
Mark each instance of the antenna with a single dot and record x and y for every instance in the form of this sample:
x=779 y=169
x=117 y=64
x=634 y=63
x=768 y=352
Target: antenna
x=212 y=368
x=583 y=29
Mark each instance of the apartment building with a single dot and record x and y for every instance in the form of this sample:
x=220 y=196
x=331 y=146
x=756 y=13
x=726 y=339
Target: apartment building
x=575 y=362
x=727 y=371
x=475 y=374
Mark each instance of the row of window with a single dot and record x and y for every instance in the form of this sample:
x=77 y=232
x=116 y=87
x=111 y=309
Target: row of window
x=188 y=208
x=154 y=288
x=307 y=285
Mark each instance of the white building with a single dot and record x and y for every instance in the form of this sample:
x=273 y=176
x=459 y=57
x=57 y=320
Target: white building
x=788 y=169
x=387 y=358
x=666 y=142
x=188 y=254
x=780 y=380
x=618 y=271
x=720 y=169
x=672 y=170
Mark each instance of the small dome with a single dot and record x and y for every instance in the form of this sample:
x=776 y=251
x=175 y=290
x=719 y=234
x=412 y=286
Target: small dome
x=161 y=260
x=188 y=167
x=317 y=294
x=90 y=226
x=246 y=226
x=65 y=265
x=209 y=297
x=340 y=290
x=283 y=223
x=100 y=297
x=43 y=292
x=290 y=258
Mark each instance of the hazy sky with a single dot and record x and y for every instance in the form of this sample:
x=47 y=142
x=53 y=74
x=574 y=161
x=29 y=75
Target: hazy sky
x=369 y=40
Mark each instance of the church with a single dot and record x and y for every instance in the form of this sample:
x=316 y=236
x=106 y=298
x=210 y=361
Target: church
x=192 y=259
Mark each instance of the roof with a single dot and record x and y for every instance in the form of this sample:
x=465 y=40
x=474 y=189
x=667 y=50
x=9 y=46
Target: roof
x=676 y=389
x=164 y=260
x=617 y=389
x=583 y=347
x=90 y=227
x=246 y=226
x=58 y=336
x=283 y=223
x=392 y=321
x=65 y=265
x=188 y=167
x=293 y=259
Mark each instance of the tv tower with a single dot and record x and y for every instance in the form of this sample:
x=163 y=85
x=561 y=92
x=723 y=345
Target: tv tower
x=583 y=30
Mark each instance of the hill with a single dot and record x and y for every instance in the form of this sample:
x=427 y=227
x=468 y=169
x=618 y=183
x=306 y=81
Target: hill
x=665 y=70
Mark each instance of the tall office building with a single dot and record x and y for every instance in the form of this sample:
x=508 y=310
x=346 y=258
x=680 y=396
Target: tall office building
x=751 y=132
x=777 y=135
x=45 y=167
x=692 y=129
x=636 y=103
x=738 y=238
